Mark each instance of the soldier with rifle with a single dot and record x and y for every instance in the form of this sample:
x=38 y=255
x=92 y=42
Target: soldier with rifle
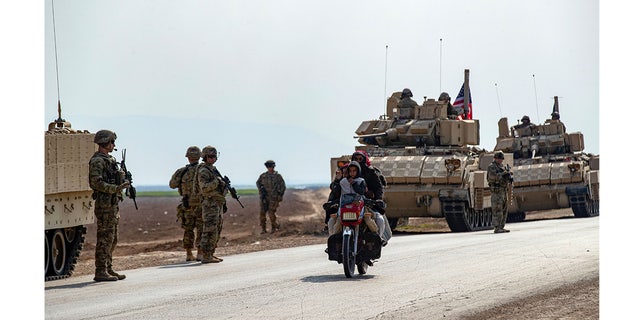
x=213 y=188
x=107 y=182
x=189 y=212
x=271 y=187
x=500 y=178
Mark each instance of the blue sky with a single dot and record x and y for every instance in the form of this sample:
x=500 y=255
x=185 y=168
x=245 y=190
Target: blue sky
x=291 y=80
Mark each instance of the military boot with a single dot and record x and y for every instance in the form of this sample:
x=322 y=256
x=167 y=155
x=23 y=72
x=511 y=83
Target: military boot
x=199 y=255
x=115 y=274
x=102 y=275
x=190 y=256
x=264 y=230
x=207 y=257
x=215 y=257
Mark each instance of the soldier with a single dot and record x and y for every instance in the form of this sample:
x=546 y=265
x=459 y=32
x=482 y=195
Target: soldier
x=107 y=182
x=499 y=178
x=189 y=211
x=451 y=111
x=271 y=187
x=406 y=105
x=213 y=191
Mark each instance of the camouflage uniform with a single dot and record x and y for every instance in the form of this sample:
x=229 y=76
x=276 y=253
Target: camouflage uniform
x=271 y=187
x=406 y=105
x=498 y=178
x=106 y=179
x=213 y=191
x=189 y=211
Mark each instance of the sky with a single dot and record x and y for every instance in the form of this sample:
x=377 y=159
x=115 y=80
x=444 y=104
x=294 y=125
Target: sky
x=292 y=80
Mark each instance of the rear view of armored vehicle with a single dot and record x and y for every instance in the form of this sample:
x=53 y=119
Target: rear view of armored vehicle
x=428 y=164
x=68 y=204
x=550 y=171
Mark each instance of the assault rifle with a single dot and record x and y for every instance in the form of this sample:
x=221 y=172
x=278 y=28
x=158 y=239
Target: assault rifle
x=263 y=198
x=232 y=190
x=131 y=191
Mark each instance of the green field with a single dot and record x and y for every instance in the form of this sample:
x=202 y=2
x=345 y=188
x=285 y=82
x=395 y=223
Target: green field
x=174 y=193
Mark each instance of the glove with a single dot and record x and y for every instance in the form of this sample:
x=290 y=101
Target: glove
x=123 y=186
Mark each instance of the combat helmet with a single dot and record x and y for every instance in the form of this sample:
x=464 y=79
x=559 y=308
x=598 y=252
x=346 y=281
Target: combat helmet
x=270 y=163
x=498 y=155
x=444 y=97
x=406 y=92
x=209 y=150
x=193 y=152
x=104 y=136
x=525 y=118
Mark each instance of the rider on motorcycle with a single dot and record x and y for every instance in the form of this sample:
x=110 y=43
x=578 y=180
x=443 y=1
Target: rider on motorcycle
x=354 y=183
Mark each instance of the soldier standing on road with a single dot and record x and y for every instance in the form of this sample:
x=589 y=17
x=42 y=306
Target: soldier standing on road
x=499 y=178
x=107 y=182
x=271 y=187
x=189 y=211
x=213 y=190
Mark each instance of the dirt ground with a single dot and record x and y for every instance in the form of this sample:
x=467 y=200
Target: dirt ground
x=150 y=236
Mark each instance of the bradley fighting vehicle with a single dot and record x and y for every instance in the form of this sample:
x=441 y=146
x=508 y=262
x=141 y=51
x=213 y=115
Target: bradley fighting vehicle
x=549 y=169
x=68 y=204
x=429 y=166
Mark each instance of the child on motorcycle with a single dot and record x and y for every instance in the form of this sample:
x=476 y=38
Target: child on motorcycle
x=354 y=183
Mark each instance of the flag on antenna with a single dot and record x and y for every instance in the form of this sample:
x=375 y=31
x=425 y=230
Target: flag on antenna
x=459 y=104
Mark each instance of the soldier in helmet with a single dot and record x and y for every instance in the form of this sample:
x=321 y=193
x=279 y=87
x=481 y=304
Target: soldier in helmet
x=189 y=211
x=529 y=128
x=107 y=181
x=271 y=187
x=210 y=183
x=406 y=105
x=499 y=178
x=451 y=111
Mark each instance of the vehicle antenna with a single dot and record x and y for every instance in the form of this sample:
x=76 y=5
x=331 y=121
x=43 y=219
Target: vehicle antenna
x=440 y=65
x=498 y=96
x=386 y=54
x=535 y=91
x=55 y=47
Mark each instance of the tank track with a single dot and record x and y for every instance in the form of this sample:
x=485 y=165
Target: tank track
x=73 y=253
x=461 y=218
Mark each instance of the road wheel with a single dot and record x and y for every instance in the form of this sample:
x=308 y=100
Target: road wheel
x=58 y=253
x=47 y=254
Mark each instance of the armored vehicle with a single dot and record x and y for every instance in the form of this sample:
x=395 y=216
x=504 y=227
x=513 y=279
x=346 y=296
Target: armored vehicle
x=550 y=169
x=68 y=205
x=429 y=164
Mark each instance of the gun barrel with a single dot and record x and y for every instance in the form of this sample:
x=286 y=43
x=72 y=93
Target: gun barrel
x=371 y=135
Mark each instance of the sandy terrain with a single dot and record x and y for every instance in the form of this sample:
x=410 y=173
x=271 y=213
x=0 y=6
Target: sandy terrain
x=151 y=236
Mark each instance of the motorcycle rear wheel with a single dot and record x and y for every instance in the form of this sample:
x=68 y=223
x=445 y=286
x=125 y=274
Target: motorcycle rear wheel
x=362 y=268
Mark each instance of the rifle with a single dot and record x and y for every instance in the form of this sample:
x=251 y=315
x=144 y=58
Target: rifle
x=131 y=191
x=232 y=190
x=263 y=198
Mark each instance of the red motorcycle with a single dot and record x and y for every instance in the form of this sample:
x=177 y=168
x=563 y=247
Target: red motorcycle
x=359 y=243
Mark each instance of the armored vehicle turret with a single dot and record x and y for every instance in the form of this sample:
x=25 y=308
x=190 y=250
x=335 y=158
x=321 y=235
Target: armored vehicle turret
x=550 y=169
x=428 y=162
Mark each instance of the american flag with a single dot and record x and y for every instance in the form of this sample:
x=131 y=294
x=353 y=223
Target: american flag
x=459 y=104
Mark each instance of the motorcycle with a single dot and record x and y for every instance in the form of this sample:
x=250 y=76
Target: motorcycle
x=358 y=245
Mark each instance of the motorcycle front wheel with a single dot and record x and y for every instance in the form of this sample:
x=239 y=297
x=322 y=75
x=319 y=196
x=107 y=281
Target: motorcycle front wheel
x=348 y=256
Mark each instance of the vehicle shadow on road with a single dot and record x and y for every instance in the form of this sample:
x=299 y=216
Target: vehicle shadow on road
x=336 y=278
x=77 y=285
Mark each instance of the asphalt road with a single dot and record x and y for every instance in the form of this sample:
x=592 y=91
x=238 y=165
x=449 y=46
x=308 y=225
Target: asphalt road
x=418 y=277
